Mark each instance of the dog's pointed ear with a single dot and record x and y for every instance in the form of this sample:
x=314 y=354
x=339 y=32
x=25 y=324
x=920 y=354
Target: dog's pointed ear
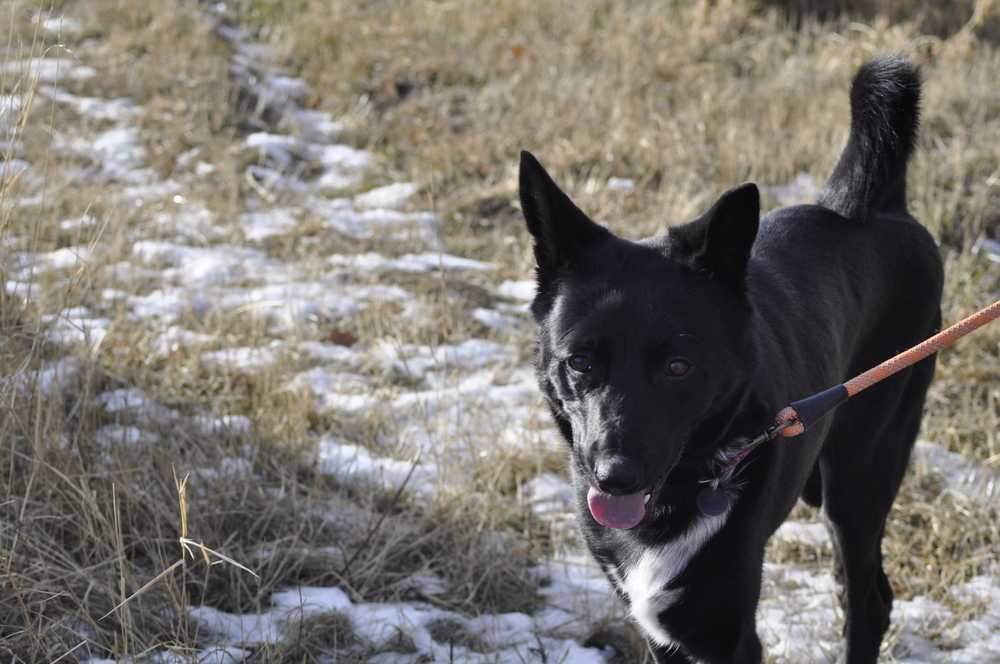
x=720 y=241
x=561 y=230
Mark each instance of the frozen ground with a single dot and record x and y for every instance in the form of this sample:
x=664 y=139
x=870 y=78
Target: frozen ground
x=475 y=391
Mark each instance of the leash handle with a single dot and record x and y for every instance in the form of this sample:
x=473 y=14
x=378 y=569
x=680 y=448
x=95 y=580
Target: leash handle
x=799 y=415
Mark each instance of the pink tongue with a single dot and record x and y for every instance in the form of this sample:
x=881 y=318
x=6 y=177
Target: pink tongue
x=616 y=511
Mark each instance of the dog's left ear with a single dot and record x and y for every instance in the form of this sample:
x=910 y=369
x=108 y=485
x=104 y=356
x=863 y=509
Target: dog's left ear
x=720 y=240
x=561 y=230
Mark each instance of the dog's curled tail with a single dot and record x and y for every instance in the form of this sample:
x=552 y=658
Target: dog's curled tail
x=885 y=108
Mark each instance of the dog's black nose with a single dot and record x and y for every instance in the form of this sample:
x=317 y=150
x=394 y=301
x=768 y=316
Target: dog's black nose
x=617 y=475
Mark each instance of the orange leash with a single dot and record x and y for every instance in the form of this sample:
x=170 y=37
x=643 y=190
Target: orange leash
x=798 y=416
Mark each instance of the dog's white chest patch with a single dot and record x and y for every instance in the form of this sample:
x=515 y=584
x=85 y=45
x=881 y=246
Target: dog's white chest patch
x=645 y=580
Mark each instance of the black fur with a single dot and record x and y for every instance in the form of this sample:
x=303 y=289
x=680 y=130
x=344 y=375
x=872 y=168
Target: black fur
x=764 y=311
x=871 y=173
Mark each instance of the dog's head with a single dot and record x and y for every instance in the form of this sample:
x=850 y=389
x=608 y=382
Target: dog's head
x=642 y=345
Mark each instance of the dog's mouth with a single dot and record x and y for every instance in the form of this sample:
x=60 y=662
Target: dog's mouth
x=628 y=511
x=620 y=512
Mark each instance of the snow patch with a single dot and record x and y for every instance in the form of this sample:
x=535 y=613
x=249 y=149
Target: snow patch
x=960 y=476
x=416 y=361
x=199 y=267
x=425 y=262
x=116 y=110
x=352 y=462
x=175 y=338
x=391 y=196
x=517 y=290
x=121 y=154
x=48 y=70
x=549 y=494
x=803 y=533
x=244 y=359
x=261 y=225
x=130 y=436
x=621 y=184
x=336 y=391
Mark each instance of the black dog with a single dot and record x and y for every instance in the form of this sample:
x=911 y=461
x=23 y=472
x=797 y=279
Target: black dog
x=659 y=356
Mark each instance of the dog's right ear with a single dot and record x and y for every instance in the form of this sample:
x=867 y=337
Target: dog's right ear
x=561 y=230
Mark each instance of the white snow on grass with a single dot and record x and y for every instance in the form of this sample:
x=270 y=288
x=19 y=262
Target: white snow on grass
x=509 y=637
x=310 y=125
x=66 y=258
x=420 y=227
x=192 y=220
x=245 y=359
x=130 y=436
x=330 y=353
x=425 y=262
x=803 y=533
x=549 y=494
x=353 y=462
x=12 y=168
x=417 y=361
x=960 y=476
x=578 y=595
x=50 y=379
x=297 y=303
x=498 y=320
x=228 y=468
x=971 y=639
x=796 y=617
x=77 y=326
x=48 y=70
x=75 y=223
x=261 y=225
x=117 y=110
x=390 y=196
x=11 y=107
x=336 y=391
x=143 y=194
x=121 y=155
x=277 y=150
x=620 y=184
x=517 y=290
x=247 y=629
x=168 y=305
x=340 y=162
x=339 y=166
x=133 y=401
x=61 y=25
x=206 y=266
x=174 y=338
x=123 y=399
x=479 y=411
x=231 y=425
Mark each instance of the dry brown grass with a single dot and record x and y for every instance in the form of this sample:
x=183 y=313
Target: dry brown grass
x=686 y=100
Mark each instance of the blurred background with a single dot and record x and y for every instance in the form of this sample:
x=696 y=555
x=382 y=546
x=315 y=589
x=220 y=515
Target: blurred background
x=266 y=389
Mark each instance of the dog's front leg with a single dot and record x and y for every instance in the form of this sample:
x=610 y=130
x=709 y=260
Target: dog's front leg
x=713 y=620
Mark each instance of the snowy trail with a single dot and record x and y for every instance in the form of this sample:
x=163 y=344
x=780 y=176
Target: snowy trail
x=196 y=272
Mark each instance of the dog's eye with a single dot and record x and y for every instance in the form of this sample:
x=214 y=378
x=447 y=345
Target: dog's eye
x=579 y=363
x=678 y=367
